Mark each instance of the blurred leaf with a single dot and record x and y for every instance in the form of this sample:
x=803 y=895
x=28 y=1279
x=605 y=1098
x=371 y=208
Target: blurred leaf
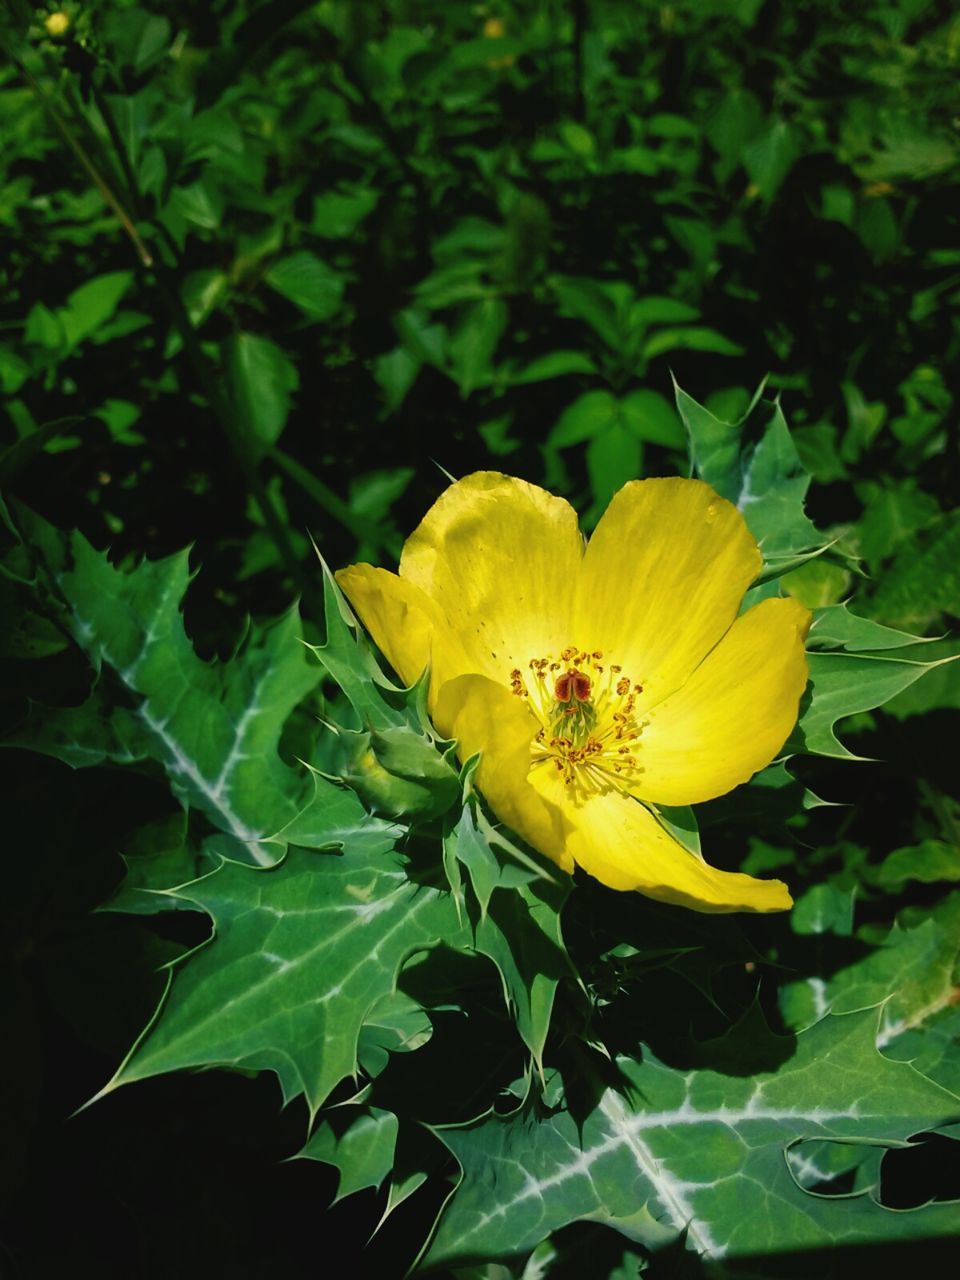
x=202 y=292
x=555 y=364
x=690 y=339
x=395 y=373
x=26 y=634
x=337 y=214
x=138 y=38
x=374 y=493
x=586 y=417
x=907 y=150
x=43 y=327
x=735 y=119
x=929 y=862
x=88 y=307
x=308 y=283
x=652 y=419
x=643 y=415
x=587 y=300
x=474 y=341
x=924 y=580
x=262 y=381
x=16 y=457
x=824 y=908
x=199 y=203
x=864 y=421
x=877 y=228
x=614 y=456
x=424 y=342
x=893 y=511
x=770 y=156
x=647 y=311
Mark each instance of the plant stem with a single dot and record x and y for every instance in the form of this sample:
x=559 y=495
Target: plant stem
x=70 y=138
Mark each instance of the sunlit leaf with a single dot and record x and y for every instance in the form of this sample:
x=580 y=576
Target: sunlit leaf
x=667 y=1152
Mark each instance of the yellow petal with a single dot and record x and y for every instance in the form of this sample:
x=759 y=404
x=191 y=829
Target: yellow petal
x=484 y=716
x=499 y=557
x=618 y=840
x=402 y=622
x=734 y=713
x=662 y=580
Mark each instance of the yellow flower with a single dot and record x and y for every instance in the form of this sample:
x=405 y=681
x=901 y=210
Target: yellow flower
x=599 y=681
x=57 y=24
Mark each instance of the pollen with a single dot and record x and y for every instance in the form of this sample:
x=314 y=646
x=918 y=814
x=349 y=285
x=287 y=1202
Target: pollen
x=590 y=726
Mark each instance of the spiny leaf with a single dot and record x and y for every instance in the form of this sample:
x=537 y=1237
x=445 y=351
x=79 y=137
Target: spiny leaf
x=842 y=684
x=762 y=475
x=363 y=1151
x=213 y=726
x=158 y=856
x=521 y=935
x=835 y=627
x=302 y=953
x=348 y=659
x=912 y=973
x=518 y=928
x=697 y=1152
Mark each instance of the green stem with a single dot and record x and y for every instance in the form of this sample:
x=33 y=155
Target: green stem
x=70 y=138
x=326 y=499
x=120 y=150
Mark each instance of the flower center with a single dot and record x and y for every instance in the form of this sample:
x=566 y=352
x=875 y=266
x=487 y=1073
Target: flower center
x=589 y=726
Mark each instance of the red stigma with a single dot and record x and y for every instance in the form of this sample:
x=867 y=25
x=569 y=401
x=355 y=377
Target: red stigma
x=572 y=685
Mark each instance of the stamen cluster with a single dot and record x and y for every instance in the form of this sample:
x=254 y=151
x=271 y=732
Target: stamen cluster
x=590 y=729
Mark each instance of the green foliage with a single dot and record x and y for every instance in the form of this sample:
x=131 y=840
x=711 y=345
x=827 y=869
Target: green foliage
x=330 y=924
x=299 y=961
x=213 y=727
x=263 y=261
x=662 y=1152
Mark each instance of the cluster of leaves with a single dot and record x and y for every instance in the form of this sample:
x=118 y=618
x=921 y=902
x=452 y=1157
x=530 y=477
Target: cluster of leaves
x=257 y=255
x=511 y=218
x=398 y=961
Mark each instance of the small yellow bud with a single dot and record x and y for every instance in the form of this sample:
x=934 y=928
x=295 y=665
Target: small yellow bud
x=57 y=24
x=494 y=29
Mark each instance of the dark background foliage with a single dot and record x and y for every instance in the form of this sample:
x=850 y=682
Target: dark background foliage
x=263 y=262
